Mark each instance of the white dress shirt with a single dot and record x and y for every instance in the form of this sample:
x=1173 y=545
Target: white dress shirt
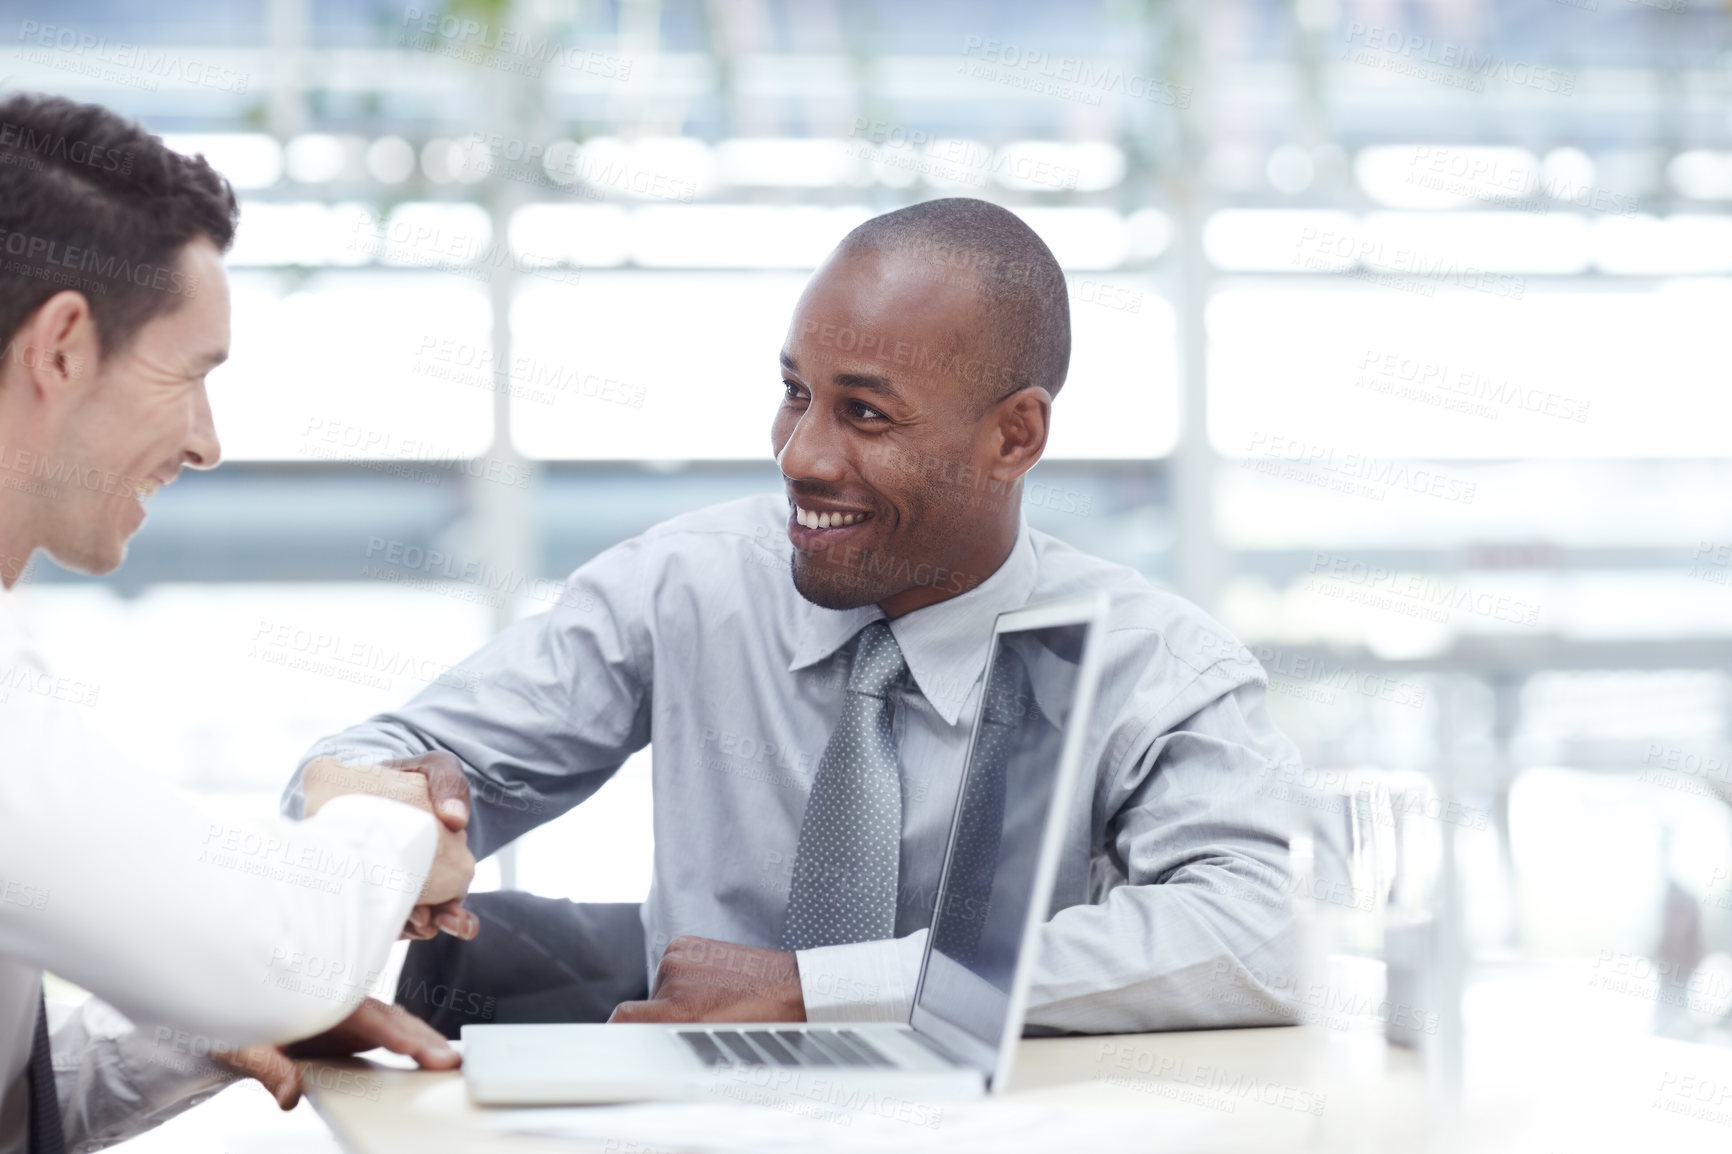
x=198 y=930
x=1171 y=908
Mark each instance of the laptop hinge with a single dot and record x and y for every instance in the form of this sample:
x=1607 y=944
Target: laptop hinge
x=940 y=1049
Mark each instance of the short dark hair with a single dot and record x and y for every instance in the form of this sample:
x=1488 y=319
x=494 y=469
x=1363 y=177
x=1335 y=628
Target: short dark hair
x=91 y=201
x=1023 y=288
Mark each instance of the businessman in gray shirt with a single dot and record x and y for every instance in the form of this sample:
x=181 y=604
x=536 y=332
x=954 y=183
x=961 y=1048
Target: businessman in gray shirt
x=782 y=654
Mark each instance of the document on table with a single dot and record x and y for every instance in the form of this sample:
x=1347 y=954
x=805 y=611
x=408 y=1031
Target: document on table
x=963 y=1127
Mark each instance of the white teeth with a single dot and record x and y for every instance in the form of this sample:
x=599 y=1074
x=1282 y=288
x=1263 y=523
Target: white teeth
x=812 y=520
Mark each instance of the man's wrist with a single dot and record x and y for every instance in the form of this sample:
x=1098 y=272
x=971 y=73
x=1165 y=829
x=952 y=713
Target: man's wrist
x=326 y=778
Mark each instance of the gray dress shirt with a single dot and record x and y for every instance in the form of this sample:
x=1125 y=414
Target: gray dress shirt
x=1173 y=903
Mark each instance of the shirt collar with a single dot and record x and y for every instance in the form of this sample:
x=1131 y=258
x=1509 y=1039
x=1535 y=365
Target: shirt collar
x=945 y=644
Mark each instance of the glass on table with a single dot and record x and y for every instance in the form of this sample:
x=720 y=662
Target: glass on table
x=1366 y=846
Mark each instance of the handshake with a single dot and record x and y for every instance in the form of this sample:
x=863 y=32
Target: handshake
x=430 y=781
x=433 y=782
x=697 y=980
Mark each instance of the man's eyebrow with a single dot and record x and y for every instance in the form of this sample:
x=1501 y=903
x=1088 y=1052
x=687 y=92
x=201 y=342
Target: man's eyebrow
x=869 y=382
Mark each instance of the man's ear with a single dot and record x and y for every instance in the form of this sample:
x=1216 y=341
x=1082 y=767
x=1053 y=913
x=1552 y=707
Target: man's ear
x=55 y=350
x=1021 y=422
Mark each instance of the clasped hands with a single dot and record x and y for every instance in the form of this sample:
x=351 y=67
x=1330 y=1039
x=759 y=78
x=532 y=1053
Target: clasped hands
x=433 y=782
x=699 y=979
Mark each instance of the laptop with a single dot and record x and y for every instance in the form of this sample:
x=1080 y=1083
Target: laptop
x=994 y=893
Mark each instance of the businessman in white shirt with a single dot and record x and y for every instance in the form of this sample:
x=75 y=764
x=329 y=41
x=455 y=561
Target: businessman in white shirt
x=917 y=385
x=207 y=941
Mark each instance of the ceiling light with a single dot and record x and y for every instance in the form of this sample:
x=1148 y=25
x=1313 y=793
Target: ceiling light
x=314 y=158
x=391 y=159
x=246 y=159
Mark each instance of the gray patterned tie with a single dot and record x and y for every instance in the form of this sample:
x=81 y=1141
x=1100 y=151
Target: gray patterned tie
x=46 y=1136
x=845 y=869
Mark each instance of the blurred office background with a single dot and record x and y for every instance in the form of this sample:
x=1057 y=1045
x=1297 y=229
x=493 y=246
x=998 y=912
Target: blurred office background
x=1400 y=344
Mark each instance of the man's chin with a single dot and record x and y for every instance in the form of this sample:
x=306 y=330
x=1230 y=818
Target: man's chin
x=90 y=558
x=830 y=589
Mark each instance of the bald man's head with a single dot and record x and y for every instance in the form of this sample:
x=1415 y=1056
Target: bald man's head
x=1024 y=332
x=918 y=374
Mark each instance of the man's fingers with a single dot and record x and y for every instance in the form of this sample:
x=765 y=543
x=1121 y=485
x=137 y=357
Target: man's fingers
x=273 y=1070
x=446 y=784
x=375 y=1024
x=455 y=920
x=403 y=1033
x=634 y=1012
x=653 y=1010
x=420 y=927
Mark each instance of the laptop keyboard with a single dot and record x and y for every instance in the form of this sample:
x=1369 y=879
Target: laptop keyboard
x=783 y=1048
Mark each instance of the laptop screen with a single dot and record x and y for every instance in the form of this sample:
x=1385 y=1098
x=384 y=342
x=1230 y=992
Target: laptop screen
x=1006 y=793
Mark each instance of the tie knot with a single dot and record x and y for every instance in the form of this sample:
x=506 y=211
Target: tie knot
x=878 y=662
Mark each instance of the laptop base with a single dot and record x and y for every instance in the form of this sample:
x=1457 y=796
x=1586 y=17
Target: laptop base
x=570 y=1065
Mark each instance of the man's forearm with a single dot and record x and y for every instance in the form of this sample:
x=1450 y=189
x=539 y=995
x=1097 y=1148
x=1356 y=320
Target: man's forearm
x=1174 y=956
x=1199 y=932
x=1103 y=969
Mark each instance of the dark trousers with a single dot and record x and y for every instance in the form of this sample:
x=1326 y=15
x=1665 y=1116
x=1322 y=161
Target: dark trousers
x=535 y=960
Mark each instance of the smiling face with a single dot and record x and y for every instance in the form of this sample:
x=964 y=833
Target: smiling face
x=902 y=492
x=122 y=426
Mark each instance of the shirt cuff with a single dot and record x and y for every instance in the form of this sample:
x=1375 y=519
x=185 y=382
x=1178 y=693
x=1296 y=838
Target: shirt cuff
x=862 y=981
x=116 y=1080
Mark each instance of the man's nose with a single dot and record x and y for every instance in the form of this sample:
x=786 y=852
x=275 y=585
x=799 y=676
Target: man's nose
x=813 y=451
x=202 y=449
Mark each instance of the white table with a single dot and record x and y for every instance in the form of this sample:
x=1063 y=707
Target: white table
x=1527 y=1089
x=1268 y=1089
